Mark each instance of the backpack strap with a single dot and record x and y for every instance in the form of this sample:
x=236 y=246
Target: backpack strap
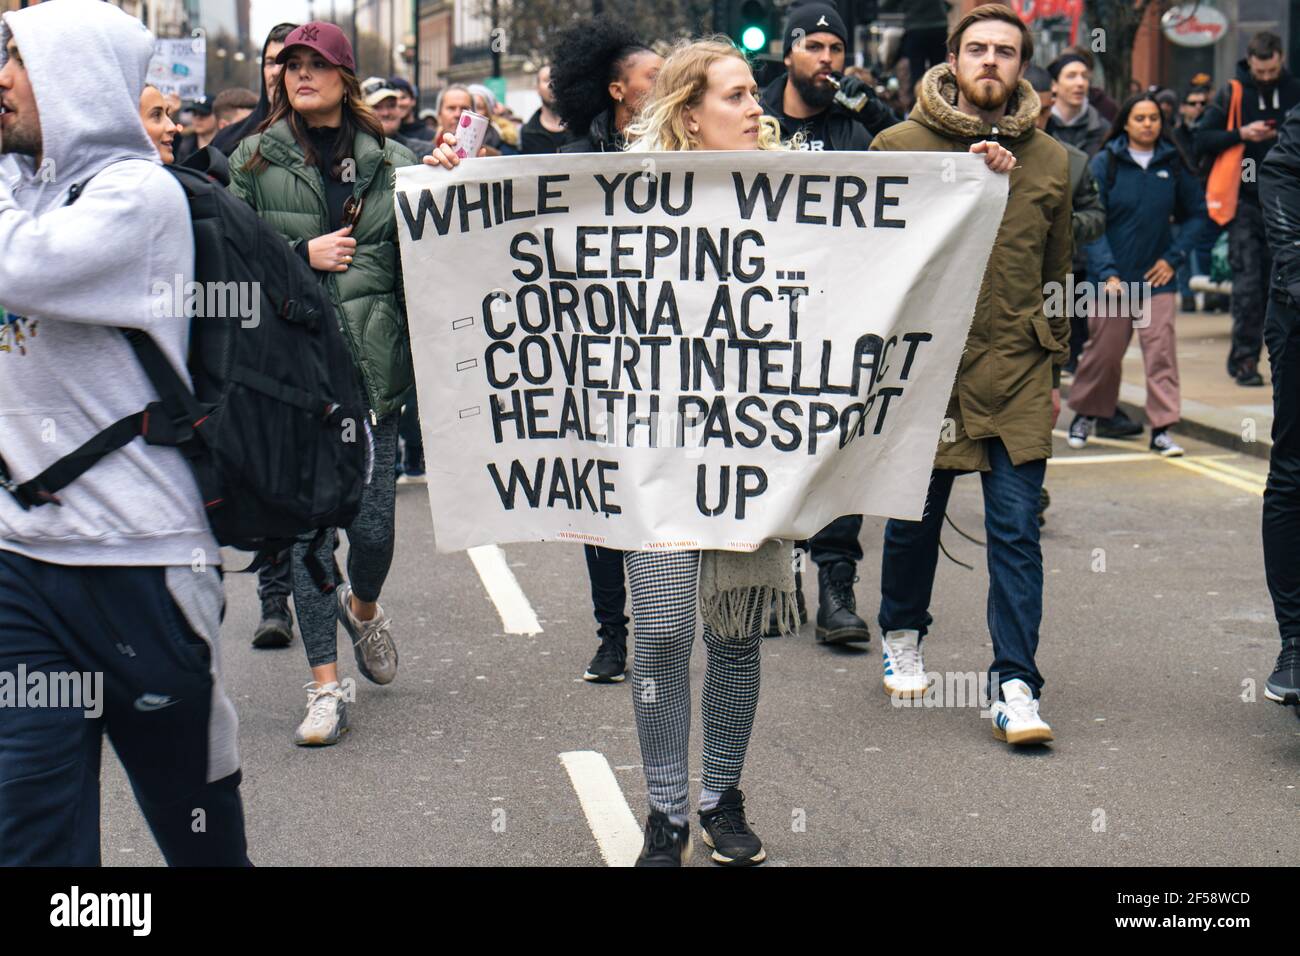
x=44 y=488
x=170 y=422
x=182 y=413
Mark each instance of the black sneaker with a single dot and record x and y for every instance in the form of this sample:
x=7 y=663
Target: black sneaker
x=666 y=844
x=800 y=607
x=1283 y=685
x=1118 y=425
x=1163 y=444
x=728 y=835
x=837 y=619
x=276 y=627
x=609 y=666
x=1080 y=431
x=412 y=469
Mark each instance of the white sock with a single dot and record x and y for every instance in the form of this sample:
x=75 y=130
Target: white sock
x=709 y=799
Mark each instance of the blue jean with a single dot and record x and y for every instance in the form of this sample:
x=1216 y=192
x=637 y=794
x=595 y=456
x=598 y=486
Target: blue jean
x=1015 y=561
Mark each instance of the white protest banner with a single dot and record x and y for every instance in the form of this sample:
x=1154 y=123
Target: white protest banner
x=179 y=66
x=687 y=350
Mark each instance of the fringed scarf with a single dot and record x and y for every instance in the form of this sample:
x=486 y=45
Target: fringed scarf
x=728 y=580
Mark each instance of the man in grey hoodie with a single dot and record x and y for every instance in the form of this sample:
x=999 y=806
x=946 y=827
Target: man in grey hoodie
x=111 y=602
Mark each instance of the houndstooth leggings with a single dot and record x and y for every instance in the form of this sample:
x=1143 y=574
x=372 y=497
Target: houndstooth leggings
x=664 y=586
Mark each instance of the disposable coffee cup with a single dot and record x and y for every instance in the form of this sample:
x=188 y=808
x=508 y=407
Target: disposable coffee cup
x=470 y=133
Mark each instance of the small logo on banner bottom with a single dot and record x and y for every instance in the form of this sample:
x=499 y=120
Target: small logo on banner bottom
x=580 y=536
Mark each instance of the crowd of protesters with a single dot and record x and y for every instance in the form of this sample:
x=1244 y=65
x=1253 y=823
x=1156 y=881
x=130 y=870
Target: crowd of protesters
x=1103 y=192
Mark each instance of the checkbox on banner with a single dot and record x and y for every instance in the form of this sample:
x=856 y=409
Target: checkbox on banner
x=466 y=364
x=462 y=323
x=470 y=412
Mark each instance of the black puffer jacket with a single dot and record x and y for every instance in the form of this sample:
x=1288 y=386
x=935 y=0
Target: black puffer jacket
x=601 y=137
x=1279 y=195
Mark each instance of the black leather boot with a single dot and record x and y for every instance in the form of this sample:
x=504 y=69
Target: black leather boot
x=837 y=620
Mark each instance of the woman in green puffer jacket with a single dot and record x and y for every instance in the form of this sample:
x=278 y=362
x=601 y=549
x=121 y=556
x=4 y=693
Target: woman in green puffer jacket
x=321 y=173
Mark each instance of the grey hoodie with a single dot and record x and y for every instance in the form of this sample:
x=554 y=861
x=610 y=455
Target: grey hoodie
x=69 y=275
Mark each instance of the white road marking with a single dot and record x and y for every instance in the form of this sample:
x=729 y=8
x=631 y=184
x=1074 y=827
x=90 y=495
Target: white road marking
x=1207 y=466
x=617 y=833
x=1104 y=459
x=517 y=616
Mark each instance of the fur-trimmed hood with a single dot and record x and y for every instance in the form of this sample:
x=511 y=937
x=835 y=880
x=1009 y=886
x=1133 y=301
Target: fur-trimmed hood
x=937 y=109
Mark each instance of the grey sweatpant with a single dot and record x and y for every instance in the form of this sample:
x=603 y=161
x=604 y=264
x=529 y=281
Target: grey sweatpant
x=370 y=554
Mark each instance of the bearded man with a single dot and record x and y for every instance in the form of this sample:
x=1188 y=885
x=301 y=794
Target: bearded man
x=1006 y=397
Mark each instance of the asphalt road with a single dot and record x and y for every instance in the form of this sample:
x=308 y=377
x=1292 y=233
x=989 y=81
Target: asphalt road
x=1162 y=754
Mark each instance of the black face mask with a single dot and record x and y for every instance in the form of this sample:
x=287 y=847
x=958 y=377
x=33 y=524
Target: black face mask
x=817 y=97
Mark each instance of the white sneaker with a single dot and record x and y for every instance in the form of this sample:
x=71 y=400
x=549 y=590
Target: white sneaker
x=900 y=655
x=1163 y=444
x=1015 y=717
x=327 y=716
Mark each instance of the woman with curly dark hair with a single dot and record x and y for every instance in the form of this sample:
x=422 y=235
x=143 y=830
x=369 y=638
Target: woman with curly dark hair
x=601 y=73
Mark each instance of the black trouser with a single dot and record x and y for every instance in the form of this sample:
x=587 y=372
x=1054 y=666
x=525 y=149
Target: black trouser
x=1282 y=494
x=608 y=591
x=408 y=429
x=1078 y=323
x=275 y=578
x=1251 y=262
x=157 y=703
x=838 y=541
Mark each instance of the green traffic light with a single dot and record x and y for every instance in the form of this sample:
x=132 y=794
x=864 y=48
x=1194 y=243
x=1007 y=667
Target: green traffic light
x=753 y=39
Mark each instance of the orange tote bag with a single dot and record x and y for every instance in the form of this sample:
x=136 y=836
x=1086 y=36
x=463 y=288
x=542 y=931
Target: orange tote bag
x=1222 y=187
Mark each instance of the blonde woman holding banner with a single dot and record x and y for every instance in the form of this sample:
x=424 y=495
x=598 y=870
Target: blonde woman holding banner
x=705 y=97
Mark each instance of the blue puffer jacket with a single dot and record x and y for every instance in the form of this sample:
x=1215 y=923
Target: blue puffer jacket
x=1140 y=203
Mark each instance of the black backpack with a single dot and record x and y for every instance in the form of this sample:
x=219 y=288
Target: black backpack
x=276 y=428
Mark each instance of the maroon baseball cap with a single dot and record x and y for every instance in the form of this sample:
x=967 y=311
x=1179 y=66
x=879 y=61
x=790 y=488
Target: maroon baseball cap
x=326 y=39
